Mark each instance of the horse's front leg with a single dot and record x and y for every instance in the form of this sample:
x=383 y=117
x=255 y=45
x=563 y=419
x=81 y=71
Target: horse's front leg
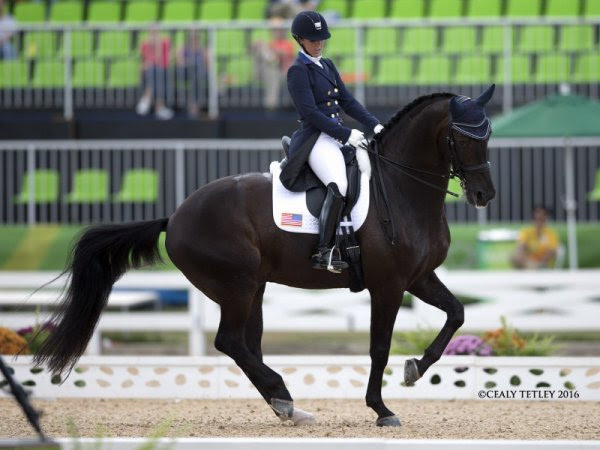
x=432 y=291
x=385 y=302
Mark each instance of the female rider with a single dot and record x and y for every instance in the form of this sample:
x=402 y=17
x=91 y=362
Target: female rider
x=319 y=95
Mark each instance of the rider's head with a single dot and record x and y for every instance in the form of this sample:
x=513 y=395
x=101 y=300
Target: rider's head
x=310 y=29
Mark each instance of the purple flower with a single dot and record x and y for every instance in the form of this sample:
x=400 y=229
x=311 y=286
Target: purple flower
x=24 y=331
x=468 y=345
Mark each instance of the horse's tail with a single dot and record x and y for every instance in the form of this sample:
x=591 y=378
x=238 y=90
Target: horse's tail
x=98 y=259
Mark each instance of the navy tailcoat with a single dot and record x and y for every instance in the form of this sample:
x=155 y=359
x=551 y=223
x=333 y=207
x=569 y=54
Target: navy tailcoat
x=319 y=95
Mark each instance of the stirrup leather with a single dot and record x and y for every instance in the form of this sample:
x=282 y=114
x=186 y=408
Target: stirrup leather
x=328 y=255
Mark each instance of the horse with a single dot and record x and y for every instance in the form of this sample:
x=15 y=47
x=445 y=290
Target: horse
x=224 y=240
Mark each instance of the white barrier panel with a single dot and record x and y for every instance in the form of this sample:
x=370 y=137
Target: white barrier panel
x=453 y=377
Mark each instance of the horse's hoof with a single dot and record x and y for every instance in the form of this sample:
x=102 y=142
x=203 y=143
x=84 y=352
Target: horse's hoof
x=302 y=418
x=411 y=372
x=390 y=421
x=283 y=408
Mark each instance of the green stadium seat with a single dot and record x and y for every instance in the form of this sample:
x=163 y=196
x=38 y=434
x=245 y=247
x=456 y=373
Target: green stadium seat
x=179 y=11
x=433 y=69
x=13 y=74
x=379 y=41
x=88 y=74
x=141 y=12
x=82 y=44
x=138 y=185
x=562 y=8
x=114 y=43
x=66 y=12
x=459 y=40
x=239 y=71
x=419 y=40
x=39 y=44
x=339 y=6
x=45 y=187
x=262 y=35
x=407 y=9
x=89 y=186
x=552 y=69
x=576 y=38
x=215 y=10
x=347 y=69
x=231 y=42
x=445 y=8
x=591 y=8
x=520 y=69
x=492 y=39
x=30 y=12
x=523 y=8
x=252 y=9
x=394 y=70
x=48 y=74
x=124 y=73
x=344 y=42
x=473 y=70
x=368 y=9
x=484 y=8
x=587 y=68
x=104 y=12
x=536 y=38
x=594 y=195
x=454 y=186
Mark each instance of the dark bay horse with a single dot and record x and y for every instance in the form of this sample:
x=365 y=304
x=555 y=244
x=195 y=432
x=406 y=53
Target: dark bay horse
x=224 y=240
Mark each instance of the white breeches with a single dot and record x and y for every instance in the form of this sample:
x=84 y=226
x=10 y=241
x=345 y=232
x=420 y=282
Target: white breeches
x=327 y=162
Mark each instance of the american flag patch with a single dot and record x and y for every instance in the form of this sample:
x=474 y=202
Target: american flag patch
x=291 y=220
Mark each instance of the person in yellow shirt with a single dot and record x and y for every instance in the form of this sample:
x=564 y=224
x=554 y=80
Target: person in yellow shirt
x=537 y=244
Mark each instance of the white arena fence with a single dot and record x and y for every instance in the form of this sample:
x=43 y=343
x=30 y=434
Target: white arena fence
x=92 y=181
x=386 y=62
x=546 y=301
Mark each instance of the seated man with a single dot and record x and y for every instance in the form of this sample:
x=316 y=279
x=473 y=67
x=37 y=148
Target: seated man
x=537 y=244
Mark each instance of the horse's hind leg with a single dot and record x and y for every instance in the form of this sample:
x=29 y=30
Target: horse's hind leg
x=432 y=291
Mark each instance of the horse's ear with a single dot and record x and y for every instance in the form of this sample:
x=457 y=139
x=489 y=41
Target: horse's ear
x=456 y=107
x=486 y=96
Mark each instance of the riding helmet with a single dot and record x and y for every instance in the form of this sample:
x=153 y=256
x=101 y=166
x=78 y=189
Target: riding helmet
x=310 y=25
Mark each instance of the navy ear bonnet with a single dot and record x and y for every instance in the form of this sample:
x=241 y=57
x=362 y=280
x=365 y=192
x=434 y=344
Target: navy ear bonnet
x=468 y=115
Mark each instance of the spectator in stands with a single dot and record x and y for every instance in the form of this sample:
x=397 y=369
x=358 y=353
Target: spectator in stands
x=273 y=59
x=288 y=9
x=8 y=27
x=155 y=51
x=537 y=244
x=192 y=60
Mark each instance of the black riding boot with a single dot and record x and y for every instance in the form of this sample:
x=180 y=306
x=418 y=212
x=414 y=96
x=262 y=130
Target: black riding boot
x=326 y=256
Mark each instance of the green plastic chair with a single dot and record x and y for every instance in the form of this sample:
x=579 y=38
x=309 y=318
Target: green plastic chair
x=394 y=70
x=380 y=41
x=215 y=10
x=523 y=8
x=520 y=70
x=48 y=74
x=239 y=71
x=594 y=195
x=587 y=68
x=492 y=39
x=473 y=70
x=89 y=74
x=419 y=40
x=104 y=12
x=576 y=38
x=562 y=8
x=124 y=73
x=484 y=8
x=459 y=40
x=434 y=69
x=591 y=8
x=536 y=39
x=39 y=44
x=179 y=11
x=82 y=44
x=368 y=9
x=231 y=42
x=29 y=12
x=45 y=187
x=13 y=74
x=141 y=12
x=445 y=9
x=347 y=69
x=89 y=186
x=552 y=69
x=66 y=12
x=339 y=6
x=252 y=9
x=407 y=9
x=454 y=186
x=344 y=42
x=138 y=185
x=114 y=44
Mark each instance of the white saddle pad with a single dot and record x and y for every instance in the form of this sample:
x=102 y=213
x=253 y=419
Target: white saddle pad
x=290 y=212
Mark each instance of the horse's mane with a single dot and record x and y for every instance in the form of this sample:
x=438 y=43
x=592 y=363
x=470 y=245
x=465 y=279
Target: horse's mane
x=416 y=102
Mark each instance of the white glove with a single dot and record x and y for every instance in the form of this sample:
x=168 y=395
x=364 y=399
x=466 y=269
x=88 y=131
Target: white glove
x=364 y=163
x=378 y=128
x=357 y=139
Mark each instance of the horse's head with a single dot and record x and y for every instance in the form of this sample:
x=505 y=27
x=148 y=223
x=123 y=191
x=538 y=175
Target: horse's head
x=468 y=135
